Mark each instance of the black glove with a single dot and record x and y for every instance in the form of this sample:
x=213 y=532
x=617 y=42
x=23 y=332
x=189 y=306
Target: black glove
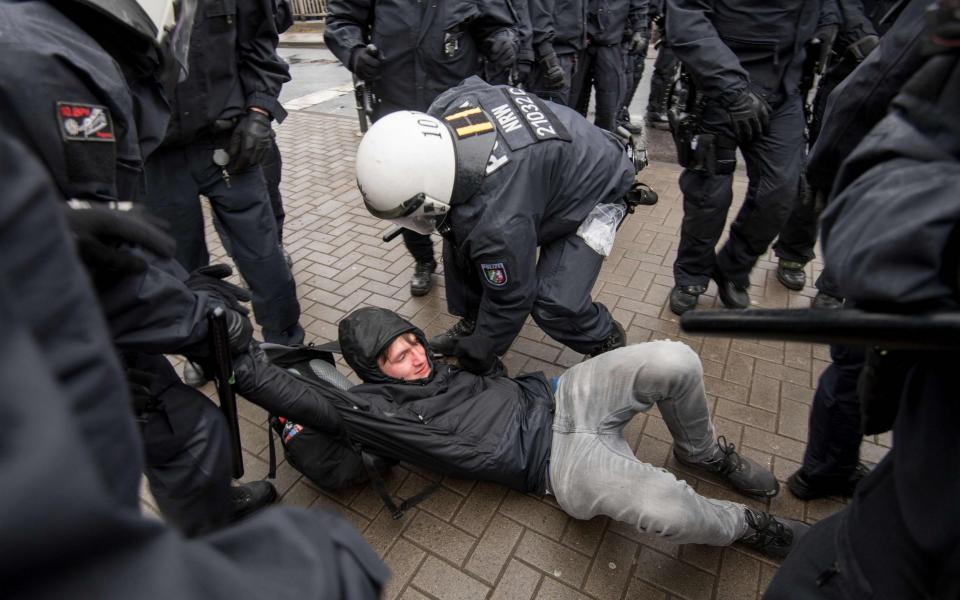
x=250 y=142
x=861 y=48
x=366 y=63
x=475 y=354
x=211 y=278
x=523 y=71
x=502 y=49
x=100 y=231
x=553 y=73
x=825 y=37
x=749 y=115
x=239 y=332
x=638 y=41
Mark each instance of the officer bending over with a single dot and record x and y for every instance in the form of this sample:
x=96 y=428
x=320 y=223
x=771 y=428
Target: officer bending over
x=503 y=173
x=530 y=434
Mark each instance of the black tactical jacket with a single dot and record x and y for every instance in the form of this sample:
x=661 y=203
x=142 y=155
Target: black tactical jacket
x=427 y=47
x=476 y=427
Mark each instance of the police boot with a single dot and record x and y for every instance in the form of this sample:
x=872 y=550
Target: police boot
x=616 y=339
x=807 y=488
x=743 y=474
x=657 y=107
x=771 y=536
x=826 y=301
x=193 y=374
x=790 y=274
x=250 y=497
x=731 y=295
x=422 y=279
x=684 y=297
x=445 y=344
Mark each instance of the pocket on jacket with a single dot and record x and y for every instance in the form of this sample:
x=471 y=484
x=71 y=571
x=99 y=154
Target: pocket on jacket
x=220 y=15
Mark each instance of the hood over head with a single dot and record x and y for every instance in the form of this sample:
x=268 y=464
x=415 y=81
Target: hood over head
x=366 y=332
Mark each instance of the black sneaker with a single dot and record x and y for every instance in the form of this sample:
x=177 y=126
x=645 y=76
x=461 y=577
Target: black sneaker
x=790 y=274
x=250 y=497
x=772 y=536
x=731 y=295
x=805 y=488
x=826 y=301
x=684 y=297
x=445 y=343
x=616 y=339
x=745 y=475
x=422 y=279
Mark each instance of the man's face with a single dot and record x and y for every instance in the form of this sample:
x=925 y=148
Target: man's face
x=405 y=359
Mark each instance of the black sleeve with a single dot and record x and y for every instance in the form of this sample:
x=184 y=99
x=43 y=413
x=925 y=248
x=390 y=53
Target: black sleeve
x=348 y=25
x=541 y=18
x=694 y=39
x=495 y=16
x=637 y=16
x=261 y=70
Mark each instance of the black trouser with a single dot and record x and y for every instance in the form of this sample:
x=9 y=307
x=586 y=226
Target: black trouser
x=418 y=245
x=809 y=571
x=175 y=178
x=601 y=67
x=187 y=452
x=272 y=166
x=539 y=87
x=833 y=445
x=664 y=69
x=774 y=164
x=635 y=64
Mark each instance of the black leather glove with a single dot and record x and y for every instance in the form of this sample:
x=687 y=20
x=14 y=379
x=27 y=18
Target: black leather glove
x=211 y=278
x=825 y=37
x=638 y=41
x=861 y=48
x=553 y=73
x=502 y=49
x=100 y=231
x=475 y=354
x=750 y=116
x=250 y=142
x=366 y=63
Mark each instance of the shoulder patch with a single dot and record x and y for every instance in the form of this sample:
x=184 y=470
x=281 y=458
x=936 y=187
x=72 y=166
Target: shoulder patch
x=523 y=119
x=84 y=122
x=494 y=273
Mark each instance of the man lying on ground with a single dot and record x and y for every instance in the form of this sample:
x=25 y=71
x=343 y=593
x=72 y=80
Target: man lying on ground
x=564 y=438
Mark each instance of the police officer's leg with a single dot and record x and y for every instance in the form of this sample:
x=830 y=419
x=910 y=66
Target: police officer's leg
x=707 y=195
x=774 y=164
x=582 y=84
x=187 y=453
x=420 y=246
x=797 y=239
x=635 y=63
x=172 y=193
x=245 y=218
x=809 y=572
x=566 y=271
x=664 y=68
x=611 y=85
x=272 y=166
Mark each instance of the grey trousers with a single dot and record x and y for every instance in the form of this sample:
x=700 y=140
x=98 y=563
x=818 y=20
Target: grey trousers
x=594 y=472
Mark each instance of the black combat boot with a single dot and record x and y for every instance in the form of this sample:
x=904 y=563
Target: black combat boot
x=790 y=274
x=616 y=339
x=806 y=488
x=825 y=301
x=773 y=536
x=684 y=297
x=731 y=295
x=250 y=497
x=422 y=279
x=745 y=475
x=445 y=344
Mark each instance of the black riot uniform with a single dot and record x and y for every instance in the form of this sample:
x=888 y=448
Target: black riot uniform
x=562 y=25
x=547 y=170
x=664 y=71
x=733 y=48
x=426 y=48
x=233 y=68
x=601 y=64
x=71 y=520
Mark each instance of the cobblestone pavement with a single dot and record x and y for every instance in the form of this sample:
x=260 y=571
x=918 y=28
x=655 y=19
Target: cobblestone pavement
x=478 y=540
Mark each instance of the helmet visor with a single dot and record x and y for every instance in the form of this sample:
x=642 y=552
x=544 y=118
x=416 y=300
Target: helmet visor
x=419 y=213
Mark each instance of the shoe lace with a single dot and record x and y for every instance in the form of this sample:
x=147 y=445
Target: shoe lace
x=767 y=531
x=731 y=461
x=462 y=327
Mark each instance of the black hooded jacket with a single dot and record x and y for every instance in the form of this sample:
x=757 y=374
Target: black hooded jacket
x=490 y=428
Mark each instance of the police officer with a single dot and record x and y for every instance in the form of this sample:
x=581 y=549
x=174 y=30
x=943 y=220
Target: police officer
x=218 y=135
x=91 y=120
x=70 y=458
x=635 y=58
x=863 y=24
x=601 y=65
x=421 y=50
x=745 y=58
x=504 y=173
x=664 y=71
x=564 y=25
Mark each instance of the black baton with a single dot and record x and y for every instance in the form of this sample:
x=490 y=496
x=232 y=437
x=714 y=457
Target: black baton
x=223 y=378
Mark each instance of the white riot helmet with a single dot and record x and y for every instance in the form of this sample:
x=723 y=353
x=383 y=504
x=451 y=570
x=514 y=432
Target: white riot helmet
x=406 y=167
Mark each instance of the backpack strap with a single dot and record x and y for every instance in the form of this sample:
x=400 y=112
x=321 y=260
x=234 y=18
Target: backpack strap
x=381 y=488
